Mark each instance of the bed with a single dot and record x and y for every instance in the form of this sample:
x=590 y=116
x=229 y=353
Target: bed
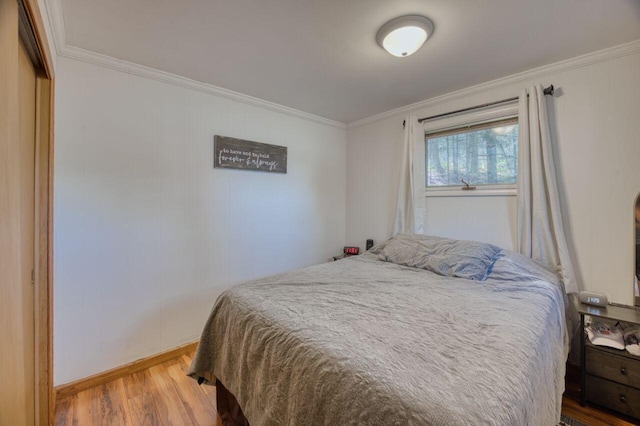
x=417 y=331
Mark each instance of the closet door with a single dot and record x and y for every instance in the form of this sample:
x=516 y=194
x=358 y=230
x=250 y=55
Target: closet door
x=26 y=158
x=17 y=223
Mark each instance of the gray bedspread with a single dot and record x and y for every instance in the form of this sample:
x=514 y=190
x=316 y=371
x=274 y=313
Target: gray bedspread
x=366 y=342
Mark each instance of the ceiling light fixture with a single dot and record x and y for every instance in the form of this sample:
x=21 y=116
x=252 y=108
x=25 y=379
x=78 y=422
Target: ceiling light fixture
x=404 y=35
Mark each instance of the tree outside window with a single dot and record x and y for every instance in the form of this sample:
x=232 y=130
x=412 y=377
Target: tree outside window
x=485 y=154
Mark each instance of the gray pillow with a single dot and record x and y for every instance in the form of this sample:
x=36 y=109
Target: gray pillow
x=514 y=267
x=444 y=256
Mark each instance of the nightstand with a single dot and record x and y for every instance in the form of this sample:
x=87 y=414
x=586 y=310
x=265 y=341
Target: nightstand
x=609 y=377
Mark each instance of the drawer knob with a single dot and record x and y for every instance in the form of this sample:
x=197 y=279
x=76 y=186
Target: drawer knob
x=623 y=399
x=624 y=371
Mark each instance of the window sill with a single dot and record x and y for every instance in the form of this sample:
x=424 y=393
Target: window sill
x=479 y=192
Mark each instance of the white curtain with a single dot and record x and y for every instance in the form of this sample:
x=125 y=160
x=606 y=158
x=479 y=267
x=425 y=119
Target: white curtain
x=410 y=213
x=540 y=231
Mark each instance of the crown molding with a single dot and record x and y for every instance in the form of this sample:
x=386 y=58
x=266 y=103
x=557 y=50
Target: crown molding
x=607 y=54
x=56 y=20
x=90 y=57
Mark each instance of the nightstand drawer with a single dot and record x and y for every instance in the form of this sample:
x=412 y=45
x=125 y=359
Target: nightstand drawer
x=614 y=396
x=618 y=368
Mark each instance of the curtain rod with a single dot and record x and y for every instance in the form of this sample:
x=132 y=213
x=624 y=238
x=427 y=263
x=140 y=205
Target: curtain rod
x=547 y=91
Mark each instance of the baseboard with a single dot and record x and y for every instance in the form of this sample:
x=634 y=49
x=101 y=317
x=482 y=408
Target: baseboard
x=76 y=386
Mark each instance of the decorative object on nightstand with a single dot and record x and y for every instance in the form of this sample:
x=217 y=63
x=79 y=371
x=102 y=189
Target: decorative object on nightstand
x=609 y=377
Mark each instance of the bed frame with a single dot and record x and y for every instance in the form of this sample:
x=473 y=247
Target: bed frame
x=228 y=407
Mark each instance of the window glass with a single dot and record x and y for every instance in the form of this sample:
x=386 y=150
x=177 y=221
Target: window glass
x=484 y=154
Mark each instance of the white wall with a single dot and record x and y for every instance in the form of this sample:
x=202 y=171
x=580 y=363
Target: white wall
x=148 y=234
x=596 y=127
x=489 y=219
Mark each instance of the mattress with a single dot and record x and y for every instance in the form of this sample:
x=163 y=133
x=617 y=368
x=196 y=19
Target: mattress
x=367 y=342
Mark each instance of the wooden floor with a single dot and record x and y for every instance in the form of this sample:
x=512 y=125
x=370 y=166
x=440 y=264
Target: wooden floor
x=164 y=395
x=160 y=395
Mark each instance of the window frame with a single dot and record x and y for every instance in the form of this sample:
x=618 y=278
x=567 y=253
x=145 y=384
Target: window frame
x=502 y=112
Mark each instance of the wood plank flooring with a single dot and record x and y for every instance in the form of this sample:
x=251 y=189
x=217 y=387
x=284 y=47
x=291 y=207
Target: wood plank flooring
x=164 y=395
x=161 y=395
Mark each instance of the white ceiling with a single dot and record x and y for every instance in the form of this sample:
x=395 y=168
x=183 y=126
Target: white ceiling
x=321 y=57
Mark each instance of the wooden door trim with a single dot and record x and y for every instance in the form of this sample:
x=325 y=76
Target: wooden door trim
x=42 y=289
x=37 y=25
x=43 y=279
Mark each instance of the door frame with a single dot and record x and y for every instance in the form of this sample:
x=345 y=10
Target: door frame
x=43 y=244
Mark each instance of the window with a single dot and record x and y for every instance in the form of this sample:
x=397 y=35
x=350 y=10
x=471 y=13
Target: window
x=482 y=154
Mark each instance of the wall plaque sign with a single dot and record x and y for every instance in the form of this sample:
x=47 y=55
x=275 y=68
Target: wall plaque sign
x=232 y=153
